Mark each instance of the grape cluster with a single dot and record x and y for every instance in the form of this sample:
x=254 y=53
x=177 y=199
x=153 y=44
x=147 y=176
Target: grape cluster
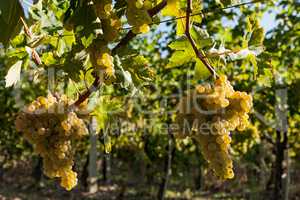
x=111 y=28
x=103 y=8
x=50 y=127
x=208 y=114
x=146 y=4
x=137 y=15
x=102 y=61
x=110 y=22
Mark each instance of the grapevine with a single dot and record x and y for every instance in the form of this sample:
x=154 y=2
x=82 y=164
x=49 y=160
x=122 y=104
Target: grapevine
x=90 y=38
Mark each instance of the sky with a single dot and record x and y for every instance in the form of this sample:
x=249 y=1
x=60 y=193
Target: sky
x=268 y=21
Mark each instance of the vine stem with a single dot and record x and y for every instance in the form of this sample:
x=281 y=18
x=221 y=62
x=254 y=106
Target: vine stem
x=192 y=42
x=35 y=56
x=124 y=41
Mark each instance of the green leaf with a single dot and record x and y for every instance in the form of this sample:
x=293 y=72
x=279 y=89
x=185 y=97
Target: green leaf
x=266 y=79
x=257 y=37
x=48 y=59
x=184 y=52
x=252 y=60
x=84 y=20
x=66 y=42
x=244 y=53
x=10 y=13
x=13 y=74
x=17 y=52
x=180 y=44
x=86 y=42
x=36 y=41
x=61 y=47
x=179 y=58
x=248 y=25
x=104 y=111
x=201 y=72
x=107 y=144
x=18 y=40
x=171 y=9
x=69 y=38
x=138 y=67
x=180 y=28
x=201 y=37
x=226 y=2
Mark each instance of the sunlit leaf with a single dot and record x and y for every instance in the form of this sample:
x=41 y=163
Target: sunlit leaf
x=13 y=74
x=252 y=59
x=10 y=13
x=257 y=37
x=201 y=72
x=48 y=59
x=107 y=144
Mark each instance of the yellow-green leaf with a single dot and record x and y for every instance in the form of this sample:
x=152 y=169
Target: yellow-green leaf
x=201 y=72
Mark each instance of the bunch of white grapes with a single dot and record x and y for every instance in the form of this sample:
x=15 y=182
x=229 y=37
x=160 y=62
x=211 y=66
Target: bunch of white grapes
x=137 y=15
x=49 y=125
x=209 y=113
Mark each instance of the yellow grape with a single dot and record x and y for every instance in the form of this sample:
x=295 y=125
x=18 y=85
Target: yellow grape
x=49 y=125
x=145 y=28
x=68 y=179
x=103 y=8
x=108 y=7
x=139 y=4
x=218 y=109
x=148 y=4
x=106 y=60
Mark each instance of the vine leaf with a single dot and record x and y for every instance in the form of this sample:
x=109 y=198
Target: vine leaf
x=201 y=72
x=138 y=67
x=257 y=37
x=87 y=41
x=48 y=59
x=245 y=53
x=107 y=144
x=265 y=79
x=10 y=13
x=105 y=110
x=174 y=9
x=183 y=52
x=252 y=60
x=13 y=74
x=255 y=32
